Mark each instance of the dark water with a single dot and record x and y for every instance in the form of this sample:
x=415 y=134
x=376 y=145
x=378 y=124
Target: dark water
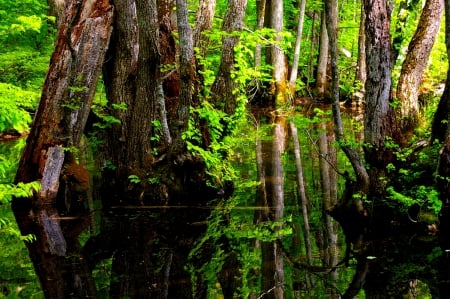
x=269 y=239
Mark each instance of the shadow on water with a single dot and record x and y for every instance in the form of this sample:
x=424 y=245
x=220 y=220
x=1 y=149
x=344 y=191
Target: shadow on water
x=270 y=239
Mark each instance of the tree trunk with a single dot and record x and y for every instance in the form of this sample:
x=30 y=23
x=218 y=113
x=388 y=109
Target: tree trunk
x=298 y=40
x=260 y=13
x=353 y=156
x=187 y=76
x=59 y=123
x=361 y=70
x=278 y=59
x=322 y=65
x=414 y=65
x=203 y=21
x=223 y=88
x=379 y=118
x=56 y=8
x=128 y=144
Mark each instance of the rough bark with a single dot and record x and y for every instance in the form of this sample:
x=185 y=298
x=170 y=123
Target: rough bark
x=187 y=75
x=224 y=85
x=203 y=22
x=413 y=66
x=59 y=122
x=379 y=118
x=121 y=68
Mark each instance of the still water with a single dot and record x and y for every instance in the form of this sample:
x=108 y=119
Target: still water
x=270 y=238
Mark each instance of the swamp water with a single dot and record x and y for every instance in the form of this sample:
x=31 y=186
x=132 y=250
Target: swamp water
x=270 y=239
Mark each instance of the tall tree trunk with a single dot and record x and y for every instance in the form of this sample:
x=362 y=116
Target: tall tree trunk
x=361 y=70
x=298 y=40
x=124 y=63
x=379 y=118
x=260 y=13
x=353 y=156
x=203 y=21
x=224 y=86
x=278 y=59
x=187 y=76
x=59 y=123
x=414 y=65
x=322 y=65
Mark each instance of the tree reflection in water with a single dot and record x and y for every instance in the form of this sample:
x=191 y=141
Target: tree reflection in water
x=272 y=238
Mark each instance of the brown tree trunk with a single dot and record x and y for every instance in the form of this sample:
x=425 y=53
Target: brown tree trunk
x=127 y=77
x=59 y=123
x=224 y=86
x=203 y=21
x=379 y=118
x=414 y=65
x=187 y=76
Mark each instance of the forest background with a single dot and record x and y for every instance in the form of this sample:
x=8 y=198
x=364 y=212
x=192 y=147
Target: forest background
x=28 y=36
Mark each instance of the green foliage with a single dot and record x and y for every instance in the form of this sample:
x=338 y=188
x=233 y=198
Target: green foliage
x=24 y=23
x=26 y=34
x=134 y=179
x=424 y=196
x=15 y=265
x=15 y=107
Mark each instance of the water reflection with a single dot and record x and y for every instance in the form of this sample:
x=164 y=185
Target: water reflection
x=271 y=239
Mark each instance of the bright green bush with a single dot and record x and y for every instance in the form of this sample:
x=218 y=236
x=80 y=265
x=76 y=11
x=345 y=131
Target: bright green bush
x=15 y=107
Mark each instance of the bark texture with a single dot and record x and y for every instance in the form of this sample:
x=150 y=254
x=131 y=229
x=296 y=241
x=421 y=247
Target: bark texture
x=60 y=119
x=415 y=63
x=379 y=117
x=223 y=87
